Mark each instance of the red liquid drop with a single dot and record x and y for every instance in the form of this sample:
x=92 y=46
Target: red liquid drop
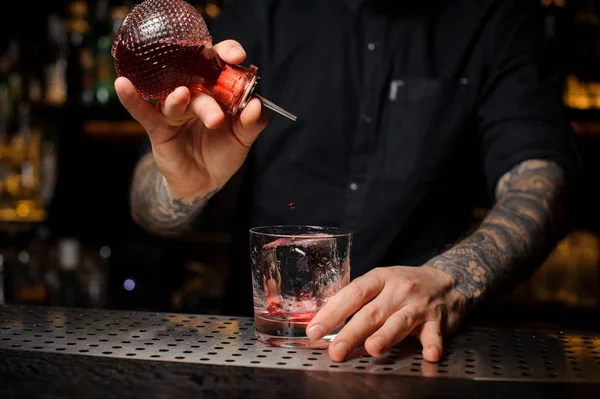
x=292 y=206
x=165 y=44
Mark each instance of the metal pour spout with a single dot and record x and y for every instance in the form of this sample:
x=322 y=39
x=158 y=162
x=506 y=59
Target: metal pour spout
x=268 y=104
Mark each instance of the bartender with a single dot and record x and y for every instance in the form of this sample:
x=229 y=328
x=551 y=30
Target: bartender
x=409 y=113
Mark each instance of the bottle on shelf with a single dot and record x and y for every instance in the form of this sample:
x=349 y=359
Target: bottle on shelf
x=15 y=79
x=81 y=61
x=93 y=276
x=103 y=37
x=48 y=170
x=30 y=287
x=5 y=164
x=11 y=86
x=56 y=70
x=5 y=95
x=33 y=260
x=2 y=281
x=69 y=260
x=26 y=147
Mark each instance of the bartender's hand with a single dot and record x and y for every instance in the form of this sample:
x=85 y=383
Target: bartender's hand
x=197 y=147
x=391 y=303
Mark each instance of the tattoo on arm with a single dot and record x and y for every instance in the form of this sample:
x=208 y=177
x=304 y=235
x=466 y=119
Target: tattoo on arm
x=153 y=208
x=517 y=234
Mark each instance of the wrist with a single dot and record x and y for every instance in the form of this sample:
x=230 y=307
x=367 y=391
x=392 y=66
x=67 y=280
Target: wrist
x=189 y=195
x=467 y=292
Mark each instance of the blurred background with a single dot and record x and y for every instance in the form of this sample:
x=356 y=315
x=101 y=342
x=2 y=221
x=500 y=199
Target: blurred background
x=68 y=148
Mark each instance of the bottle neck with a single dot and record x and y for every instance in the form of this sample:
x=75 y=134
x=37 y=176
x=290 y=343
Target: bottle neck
x=230 y=85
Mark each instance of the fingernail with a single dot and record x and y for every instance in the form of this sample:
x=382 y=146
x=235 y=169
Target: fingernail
x=377 y=342
x=341 y=347
x=236 y=52
x=433 y=350
x=316 y=332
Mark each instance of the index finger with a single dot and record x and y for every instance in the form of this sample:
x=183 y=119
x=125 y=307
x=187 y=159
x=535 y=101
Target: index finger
x=344 y=304
x=141 y=110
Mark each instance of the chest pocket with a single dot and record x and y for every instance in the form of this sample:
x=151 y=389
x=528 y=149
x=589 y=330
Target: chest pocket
x=423 y=120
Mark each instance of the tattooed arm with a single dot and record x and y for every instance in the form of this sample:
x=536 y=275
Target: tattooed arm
x=196 y=148
x=387 y=304
x=153 y=208
x=519 y=232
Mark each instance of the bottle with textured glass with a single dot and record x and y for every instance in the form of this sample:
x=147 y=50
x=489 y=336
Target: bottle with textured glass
x=164 y=44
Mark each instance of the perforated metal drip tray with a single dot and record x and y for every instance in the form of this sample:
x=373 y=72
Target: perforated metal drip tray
x=487 y=354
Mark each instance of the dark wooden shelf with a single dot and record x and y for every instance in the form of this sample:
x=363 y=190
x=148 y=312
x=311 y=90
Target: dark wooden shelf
x=113 y=128
x=586 y=129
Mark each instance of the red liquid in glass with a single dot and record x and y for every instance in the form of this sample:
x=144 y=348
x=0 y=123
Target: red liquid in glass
x=291 y=317
x=297 y=276
x=194 y=65
x=284 y=328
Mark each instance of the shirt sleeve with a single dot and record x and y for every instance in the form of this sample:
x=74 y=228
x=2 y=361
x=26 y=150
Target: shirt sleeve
x=521 y=115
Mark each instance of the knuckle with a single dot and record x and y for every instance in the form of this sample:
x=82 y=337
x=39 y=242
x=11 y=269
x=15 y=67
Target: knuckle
x=405 y=319
x=374 y=314
x=359 y=292
x=409 y=286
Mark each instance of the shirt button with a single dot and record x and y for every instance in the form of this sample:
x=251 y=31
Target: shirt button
x=371 y=46
x=353 y=186
x=367 y=119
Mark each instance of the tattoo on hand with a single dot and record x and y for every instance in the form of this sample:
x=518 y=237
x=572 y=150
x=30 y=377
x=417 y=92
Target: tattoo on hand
x=517 y=234
x=154 y=209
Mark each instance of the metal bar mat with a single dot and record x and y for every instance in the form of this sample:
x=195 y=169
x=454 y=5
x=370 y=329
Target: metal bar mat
x=480 y=354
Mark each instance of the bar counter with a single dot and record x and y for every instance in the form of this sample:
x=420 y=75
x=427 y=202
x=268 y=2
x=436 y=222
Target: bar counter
x=96 y=353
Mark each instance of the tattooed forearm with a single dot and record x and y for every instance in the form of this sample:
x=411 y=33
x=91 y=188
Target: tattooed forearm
x=153 y=208
x=528 y=219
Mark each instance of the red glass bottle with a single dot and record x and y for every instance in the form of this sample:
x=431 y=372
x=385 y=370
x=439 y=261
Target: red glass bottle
x=164 y=44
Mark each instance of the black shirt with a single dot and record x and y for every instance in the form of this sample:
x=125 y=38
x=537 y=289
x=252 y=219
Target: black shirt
x=408 y=114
